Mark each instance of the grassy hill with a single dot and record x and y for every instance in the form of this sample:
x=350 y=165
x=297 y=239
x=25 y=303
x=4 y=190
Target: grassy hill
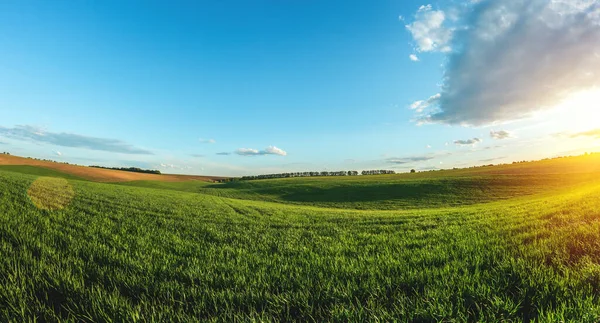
x=37 y=171
x=446 y=188
x=97 y=174
x=486 y=244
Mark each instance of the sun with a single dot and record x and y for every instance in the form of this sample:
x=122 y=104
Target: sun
x=580 y=111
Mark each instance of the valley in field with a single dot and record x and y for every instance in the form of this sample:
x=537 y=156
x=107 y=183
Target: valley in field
x=514 y=243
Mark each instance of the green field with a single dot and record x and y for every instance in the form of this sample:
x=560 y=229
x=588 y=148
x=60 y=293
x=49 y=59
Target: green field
x=507 y=243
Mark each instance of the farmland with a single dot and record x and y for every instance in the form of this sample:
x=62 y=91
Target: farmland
x=94 y=173
x=504 y=243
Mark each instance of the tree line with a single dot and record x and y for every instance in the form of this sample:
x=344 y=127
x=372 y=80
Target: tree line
x=314 y=174
x=378 y=172
x=131 y=169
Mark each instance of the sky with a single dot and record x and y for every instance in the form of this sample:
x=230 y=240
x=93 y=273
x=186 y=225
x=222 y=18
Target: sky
x=252 y=87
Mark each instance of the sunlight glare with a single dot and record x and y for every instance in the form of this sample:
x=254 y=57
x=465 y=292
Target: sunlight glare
x=51 y=193
x=580 y=111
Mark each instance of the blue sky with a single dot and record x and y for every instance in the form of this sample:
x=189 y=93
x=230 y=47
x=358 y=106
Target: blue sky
x=247 y=87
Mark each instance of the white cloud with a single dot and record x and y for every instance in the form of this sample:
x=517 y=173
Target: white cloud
x=515 y=57
x=413 y=57
x=58 y=153
x=207 y=141
x=172 y=166
x=428 y=146
x=271 y=150
x=428 y=30
x=37 y=135
x=501 y=134
x=421 y=105
x=468 y=142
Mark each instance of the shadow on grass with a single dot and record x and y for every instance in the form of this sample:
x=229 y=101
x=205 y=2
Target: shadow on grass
x=417 y=193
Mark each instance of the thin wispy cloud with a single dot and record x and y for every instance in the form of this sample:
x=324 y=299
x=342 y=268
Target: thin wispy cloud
x=408 y=160
x=594 y=133
x=207 y=141
x=413 y=57
x=467 y=142
x=170 y=166
x=63 y=139
x=492 y=147
x=492 y=159
x=197 y=155
x=223 y=154
x=271 y=150
x=57 y=153
x=511 y=58
x=421 y=105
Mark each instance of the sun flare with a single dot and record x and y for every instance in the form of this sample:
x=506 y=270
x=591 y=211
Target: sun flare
x=580 y=111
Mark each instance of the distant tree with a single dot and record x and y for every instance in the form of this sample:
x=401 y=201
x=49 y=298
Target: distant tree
x=413 y=171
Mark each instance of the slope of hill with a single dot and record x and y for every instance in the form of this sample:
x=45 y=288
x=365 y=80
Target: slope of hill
x=100 y=174
x=445 y=188
x=107 y=252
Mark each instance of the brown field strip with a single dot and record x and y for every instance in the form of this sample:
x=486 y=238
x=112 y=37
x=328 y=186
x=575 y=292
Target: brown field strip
x=100 y=174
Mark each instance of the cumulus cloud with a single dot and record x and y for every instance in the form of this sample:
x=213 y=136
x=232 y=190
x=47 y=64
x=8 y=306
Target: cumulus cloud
x=34 y=134
x=595 y=133
x=207 y=141
x=468 y=142
x=413 y=57
x=428 y=30
x=271 y=150
x=501 y=134
x=513 y=57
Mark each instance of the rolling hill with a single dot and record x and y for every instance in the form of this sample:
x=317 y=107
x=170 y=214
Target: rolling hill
x=99 y=174
x=516 y=243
